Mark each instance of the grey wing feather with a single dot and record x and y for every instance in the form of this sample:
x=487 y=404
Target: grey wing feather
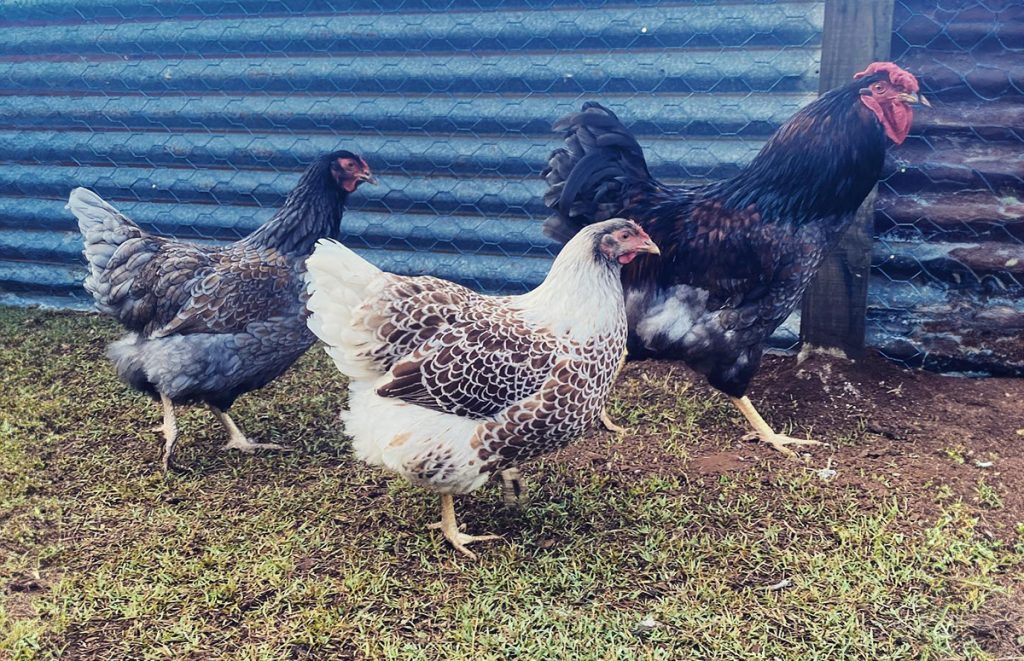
x=237 y=287
x=162 y=287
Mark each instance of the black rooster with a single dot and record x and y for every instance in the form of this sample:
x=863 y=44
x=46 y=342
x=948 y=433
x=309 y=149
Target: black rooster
x=736 y=254
x=212 y=323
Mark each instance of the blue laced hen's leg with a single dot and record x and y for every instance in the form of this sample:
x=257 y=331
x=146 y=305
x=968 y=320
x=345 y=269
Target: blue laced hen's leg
x=764 y=432
x=237 y=440
x=450 y=528
x=170 y=431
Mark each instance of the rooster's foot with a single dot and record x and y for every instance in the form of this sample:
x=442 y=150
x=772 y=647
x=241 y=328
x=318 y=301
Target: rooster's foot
x=765 y=433
x=780 y=441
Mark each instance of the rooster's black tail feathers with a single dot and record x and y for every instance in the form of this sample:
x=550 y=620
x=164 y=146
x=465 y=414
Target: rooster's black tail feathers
x=591 y=177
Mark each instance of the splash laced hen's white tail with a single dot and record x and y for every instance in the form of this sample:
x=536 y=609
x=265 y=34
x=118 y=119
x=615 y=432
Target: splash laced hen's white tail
x=338 y=281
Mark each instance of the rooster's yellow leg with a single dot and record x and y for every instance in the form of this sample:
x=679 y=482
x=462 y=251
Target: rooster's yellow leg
x=606 y=422
x=764 y=432
x=450 y=528
x=169 y=430
x=236 y=439
x=511 y=486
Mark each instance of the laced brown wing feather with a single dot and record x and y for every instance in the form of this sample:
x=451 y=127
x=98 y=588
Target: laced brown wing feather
x=475 y=369
x=408 y=311
x=564 y=406
x=450 y=349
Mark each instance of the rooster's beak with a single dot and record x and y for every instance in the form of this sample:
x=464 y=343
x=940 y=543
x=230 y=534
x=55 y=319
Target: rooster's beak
x=368 y=178
x=915 y=98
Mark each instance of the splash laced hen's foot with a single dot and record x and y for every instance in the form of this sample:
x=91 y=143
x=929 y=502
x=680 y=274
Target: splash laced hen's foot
x=450 y=529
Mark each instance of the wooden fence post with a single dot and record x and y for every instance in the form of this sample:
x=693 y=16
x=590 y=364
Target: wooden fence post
x=857 y=33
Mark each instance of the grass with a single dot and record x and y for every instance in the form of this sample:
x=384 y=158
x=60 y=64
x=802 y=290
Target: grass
x=310 y=555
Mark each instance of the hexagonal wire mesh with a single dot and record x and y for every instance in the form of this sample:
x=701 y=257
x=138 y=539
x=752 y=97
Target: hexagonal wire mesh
x=196 y=117
x=947 y=289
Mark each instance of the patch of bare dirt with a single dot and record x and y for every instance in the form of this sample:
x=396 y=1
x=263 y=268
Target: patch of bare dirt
x=889 y=431
x=924 y=438
x=718 y=463
x=999 y=627
x=918 y=430
x=22 y=591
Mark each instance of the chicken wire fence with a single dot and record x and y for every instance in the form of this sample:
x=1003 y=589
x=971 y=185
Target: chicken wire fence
x=196 y=118
x=947 y=290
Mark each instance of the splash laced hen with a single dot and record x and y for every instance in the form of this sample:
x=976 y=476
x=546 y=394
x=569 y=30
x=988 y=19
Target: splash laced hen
x=449 y=386
x=212 y=323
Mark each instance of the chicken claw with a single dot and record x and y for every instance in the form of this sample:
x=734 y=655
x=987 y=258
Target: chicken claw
x=237 y=440
x=243 y=444
x=780 y=441
x=169 y=429
x=607 y=423
x=765 y=433
x=450 y=529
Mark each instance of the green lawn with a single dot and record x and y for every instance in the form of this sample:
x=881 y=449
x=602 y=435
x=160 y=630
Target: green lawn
x=309 y=554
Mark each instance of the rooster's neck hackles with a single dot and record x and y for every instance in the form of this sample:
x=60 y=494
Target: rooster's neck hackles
x=809 y=169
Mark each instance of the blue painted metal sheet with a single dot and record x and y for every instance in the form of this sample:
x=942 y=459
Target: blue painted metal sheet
x=947 y=287
x=196 y=117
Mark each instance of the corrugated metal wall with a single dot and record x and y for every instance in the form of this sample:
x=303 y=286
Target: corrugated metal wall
x=195 y=118
x=947 y=290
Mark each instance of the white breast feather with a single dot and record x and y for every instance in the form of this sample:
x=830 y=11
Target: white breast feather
x=672 y=315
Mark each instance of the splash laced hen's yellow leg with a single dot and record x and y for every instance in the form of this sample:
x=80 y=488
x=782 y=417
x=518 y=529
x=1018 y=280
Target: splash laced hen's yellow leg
x=606 y=421
x=170 y=431
x=764 y=432
x=512 y=486
x=450 y=529
x=237 y=440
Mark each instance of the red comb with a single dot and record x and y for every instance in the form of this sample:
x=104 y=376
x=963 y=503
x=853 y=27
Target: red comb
x=897 y=76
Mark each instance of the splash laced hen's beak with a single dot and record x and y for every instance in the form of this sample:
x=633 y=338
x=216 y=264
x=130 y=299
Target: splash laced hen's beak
x=648 y=246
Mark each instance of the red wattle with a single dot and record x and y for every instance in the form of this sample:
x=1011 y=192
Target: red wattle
x=896 y=117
